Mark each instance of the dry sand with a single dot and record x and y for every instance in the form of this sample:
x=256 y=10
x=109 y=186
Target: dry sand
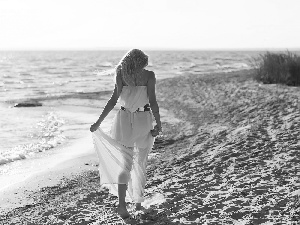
x=229 y=155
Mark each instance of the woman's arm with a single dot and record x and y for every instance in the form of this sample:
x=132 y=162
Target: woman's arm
x=109 y=106
x=152 y=99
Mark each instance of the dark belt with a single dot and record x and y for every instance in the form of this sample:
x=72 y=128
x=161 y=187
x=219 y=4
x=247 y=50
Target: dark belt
x=142 y=109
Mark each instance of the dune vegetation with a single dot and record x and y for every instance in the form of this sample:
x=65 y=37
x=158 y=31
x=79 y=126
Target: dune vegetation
x=281 y=68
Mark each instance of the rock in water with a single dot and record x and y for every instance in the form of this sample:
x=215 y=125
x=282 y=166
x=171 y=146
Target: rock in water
x=28 y=104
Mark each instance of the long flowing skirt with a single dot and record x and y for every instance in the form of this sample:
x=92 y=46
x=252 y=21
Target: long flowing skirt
x=124 y=161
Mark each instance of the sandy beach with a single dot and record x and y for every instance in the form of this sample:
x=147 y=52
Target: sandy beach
x=229 y=154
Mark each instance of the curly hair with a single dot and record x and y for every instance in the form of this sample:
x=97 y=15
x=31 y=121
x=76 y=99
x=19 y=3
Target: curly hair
x=130 y=65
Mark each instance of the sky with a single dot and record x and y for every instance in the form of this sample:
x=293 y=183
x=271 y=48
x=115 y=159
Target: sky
x=149 y=24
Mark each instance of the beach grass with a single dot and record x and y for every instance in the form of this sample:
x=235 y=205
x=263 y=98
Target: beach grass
x=281 y=68
x=228 y=155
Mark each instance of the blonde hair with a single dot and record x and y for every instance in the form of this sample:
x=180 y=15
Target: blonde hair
x=130 y=65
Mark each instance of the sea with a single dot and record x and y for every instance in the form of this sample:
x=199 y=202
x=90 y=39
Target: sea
x=56 y=79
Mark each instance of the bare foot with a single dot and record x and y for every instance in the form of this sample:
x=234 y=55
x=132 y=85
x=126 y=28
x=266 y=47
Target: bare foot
x=124 y=214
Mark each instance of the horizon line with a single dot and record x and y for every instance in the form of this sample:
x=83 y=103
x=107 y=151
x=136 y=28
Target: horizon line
x=153 y=49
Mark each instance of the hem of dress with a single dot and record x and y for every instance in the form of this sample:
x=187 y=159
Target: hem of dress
x=128 y=197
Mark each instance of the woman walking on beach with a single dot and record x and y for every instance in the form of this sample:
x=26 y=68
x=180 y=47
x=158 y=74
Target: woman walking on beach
x=123 y=154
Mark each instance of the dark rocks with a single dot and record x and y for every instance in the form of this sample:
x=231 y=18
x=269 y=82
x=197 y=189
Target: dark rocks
x=28 y=104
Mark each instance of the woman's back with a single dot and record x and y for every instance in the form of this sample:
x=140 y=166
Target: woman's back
x=141 y=78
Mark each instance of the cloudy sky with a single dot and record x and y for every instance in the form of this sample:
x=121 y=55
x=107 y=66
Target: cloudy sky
x=149 y=24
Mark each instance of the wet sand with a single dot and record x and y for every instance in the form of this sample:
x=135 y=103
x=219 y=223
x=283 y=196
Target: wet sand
x=229 y=154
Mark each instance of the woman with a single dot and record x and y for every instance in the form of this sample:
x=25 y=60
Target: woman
x=123 y=154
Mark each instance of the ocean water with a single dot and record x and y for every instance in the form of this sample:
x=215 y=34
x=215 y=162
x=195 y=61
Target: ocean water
x=55 y=78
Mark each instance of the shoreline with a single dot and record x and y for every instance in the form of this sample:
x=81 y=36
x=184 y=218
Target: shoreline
x=228 y=154
x=79 y=144
x=17 y=194
x=63 y=120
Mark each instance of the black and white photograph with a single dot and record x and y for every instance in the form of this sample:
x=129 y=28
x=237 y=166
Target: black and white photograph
x=161 y=112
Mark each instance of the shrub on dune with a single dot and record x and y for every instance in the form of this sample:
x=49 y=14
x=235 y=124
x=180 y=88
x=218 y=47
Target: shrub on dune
x=281 y=68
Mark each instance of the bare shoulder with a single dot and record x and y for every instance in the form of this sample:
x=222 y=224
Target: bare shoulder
x=149 y=72
x=150 y=75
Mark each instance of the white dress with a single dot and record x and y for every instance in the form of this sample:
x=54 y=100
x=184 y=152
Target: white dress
x=123 y=154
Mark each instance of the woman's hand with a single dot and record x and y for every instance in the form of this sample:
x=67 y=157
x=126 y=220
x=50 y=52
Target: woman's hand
x=155 y=132
x=94 y=126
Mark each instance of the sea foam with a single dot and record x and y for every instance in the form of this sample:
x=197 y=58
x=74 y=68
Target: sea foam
x=48 y=133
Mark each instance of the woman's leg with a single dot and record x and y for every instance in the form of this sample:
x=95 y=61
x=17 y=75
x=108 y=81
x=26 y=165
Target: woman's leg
x=122 y=204
x=122 y=194
x=122 y=188
x=142 y=163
